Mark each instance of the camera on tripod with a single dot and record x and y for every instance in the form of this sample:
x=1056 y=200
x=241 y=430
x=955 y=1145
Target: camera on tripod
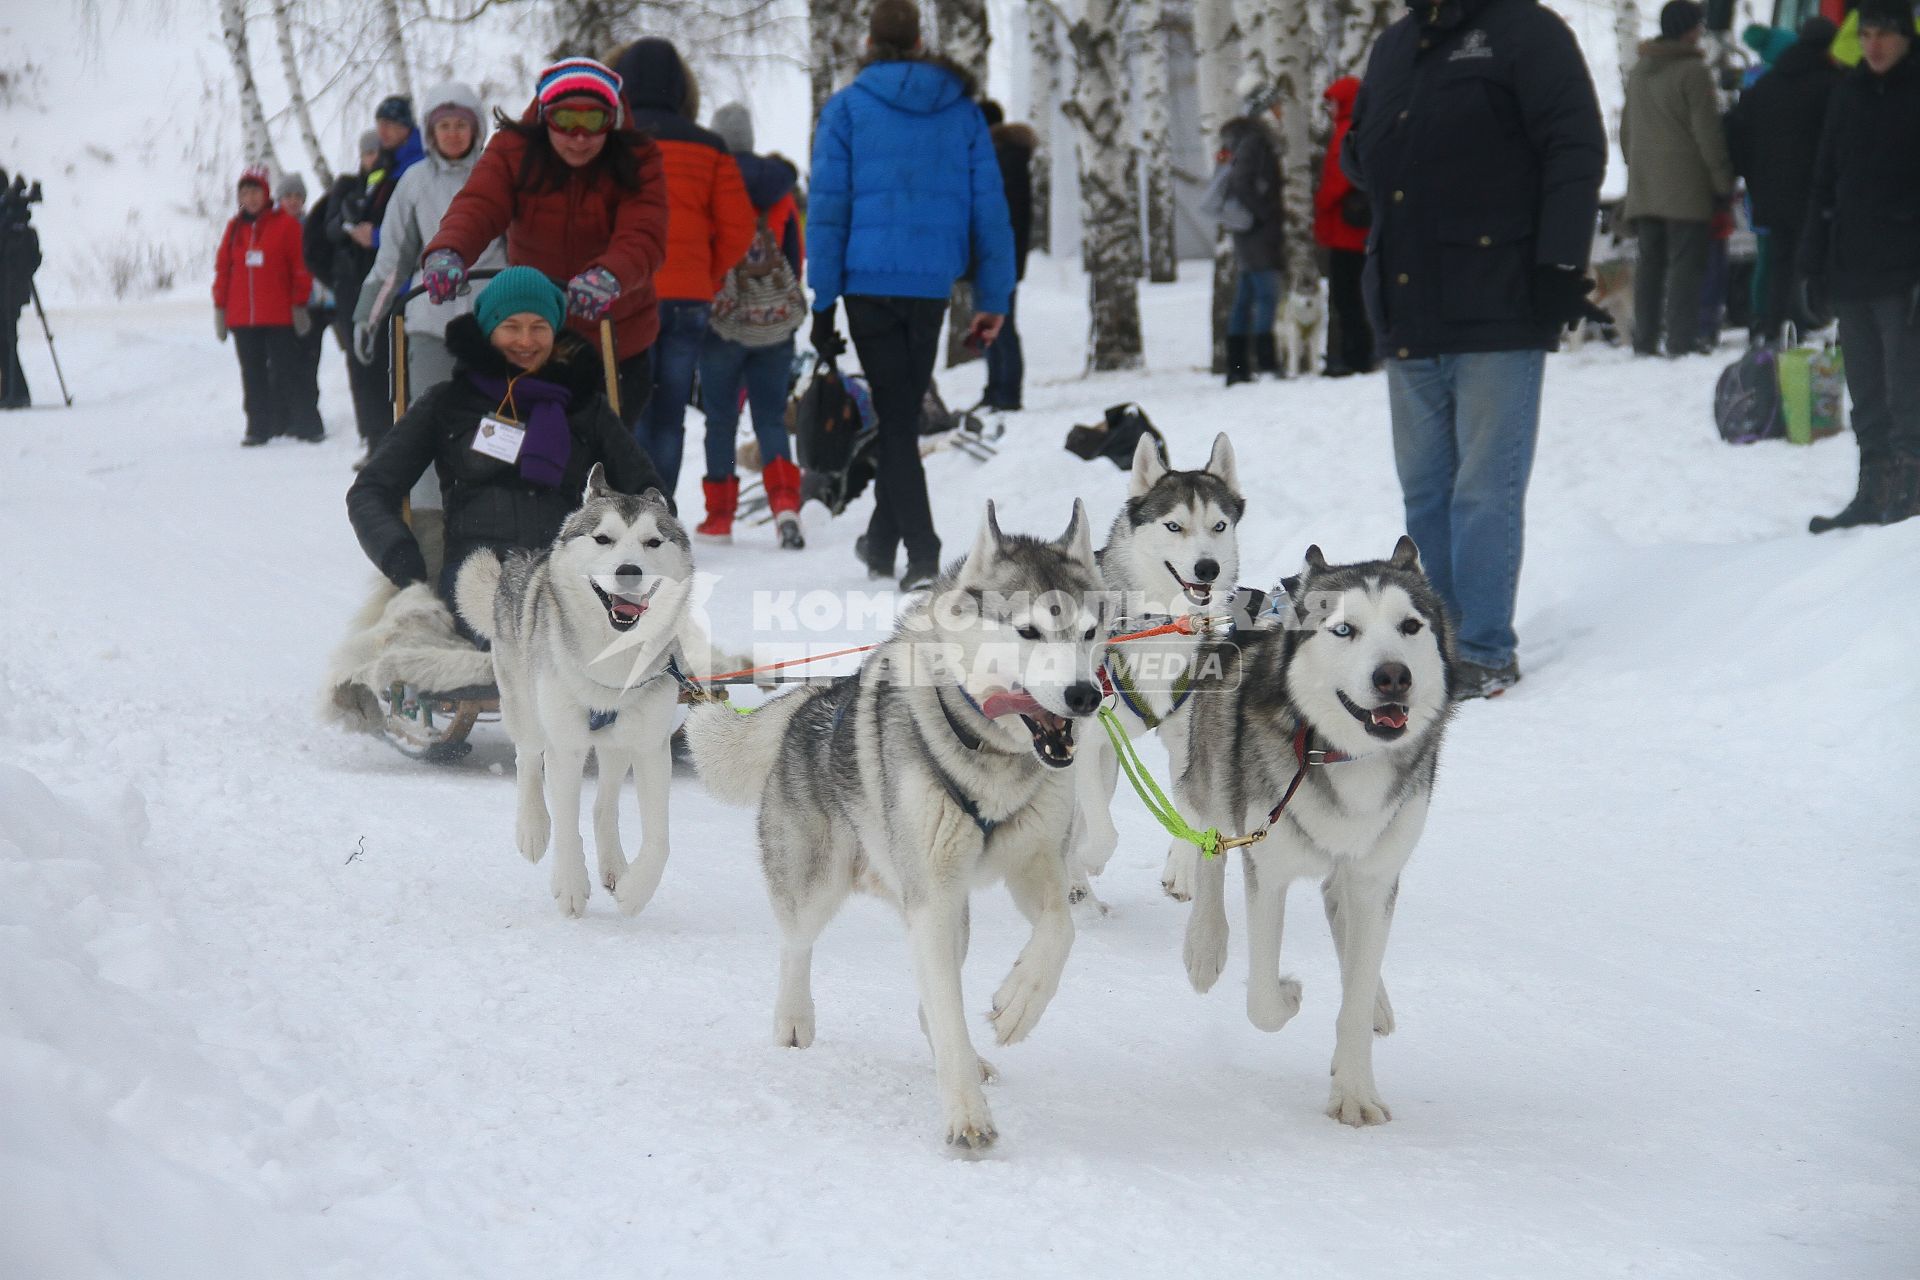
x=16 y=199
x=19 y=259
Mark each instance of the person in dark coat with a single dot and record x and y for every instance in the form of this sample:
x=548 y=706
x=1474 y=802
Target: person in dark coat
x=1862 y=251
x=21 y=246
x=1259 y=251
x=333 y=254
x=1013 y=147
x=303 y=404
x=512 y=361
x=1478 y=140
x=1773 y=134
x=905 y=197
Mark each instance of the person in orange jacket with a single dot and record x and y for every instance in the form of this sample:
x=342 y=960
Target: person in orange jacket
x=1341 y=216
x=710 y=226
x=260 y=294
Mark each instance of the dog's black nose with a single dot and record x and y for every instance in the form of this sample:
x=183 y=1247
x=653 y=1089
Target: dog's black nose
x=1206 y=570
x=1083 y=699
x=1392 y=680
x=629 y=571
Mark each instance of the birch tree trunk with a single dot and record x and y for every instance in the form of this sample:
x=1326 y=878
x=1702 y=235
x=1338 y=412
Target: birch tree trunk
x=1361 y=25
x=1293 y=81
x=1043 y=70
x=1110 y=205
x=833 y=33
x=394 y=48
x=302 y=112
x=1216 y=47
x=1626 y=35
x=256 y=142
x=1156 y=140
x=964 y=39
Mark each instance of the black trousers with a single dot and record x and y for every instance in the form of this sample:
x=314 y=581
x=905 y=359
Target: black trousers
x=1666 y=284
x=372 y=398
x=13 y=379
x=304 y=397
x=897 y=340
x=270 y=371
x=1349 y=333
x=1880 y=338
x=1783 y=277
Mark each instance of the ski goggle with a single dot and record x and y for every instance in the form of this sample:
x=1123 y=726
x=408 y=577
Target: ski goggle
x=579 y=120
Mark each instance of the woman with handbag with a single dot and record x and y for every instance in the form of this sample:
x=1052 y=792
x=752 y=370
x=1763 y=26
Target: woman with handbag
x=1341 y=216
x=750 y=342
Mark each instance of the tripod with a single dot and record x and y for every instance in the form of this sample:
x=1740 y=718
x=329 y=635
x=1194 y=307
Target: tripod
x=48 y=330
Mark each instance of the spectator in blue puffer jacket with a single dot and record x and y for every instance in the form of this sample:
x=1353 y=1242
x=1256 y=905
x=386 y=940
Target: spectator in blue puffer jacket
x=906 y=195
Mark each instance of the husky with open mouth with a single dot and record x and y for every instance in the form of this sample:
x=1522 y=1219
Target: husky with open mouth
x=1174 y=550
x=1325 y=732
x=941 y=764
x=588 y=636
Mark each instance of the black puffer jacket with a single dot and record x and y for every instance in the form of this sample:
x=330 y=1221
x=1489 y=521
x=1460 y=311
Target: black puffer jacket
x=487 y=502
x=1863 y=224
x=1773 y=132
x=1013 y=147
x=1478 y=139
x=1254 y=181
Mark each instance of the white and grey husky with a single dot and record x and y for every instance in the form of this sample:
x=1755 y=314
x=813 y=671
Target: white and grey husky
x=1335 y=721
x=587 y=638
x=939 y=765
x=1174 y=550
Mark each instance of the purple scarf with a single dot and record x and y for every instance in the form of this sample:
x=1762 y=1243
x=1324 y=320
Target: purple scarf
x=542 y=406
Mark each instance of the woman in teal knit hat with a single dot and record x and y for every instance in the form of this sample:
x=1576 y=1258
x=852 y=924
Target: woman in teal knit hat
x=512 y=436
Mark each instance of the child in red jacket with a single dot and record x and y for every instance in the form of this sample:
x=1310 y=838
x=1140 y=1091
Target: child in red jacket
x=260 y=294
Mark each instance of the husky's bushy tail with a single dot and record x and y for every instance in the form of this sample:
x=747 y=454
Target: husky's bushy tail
x=735 y=754
x=474 y=590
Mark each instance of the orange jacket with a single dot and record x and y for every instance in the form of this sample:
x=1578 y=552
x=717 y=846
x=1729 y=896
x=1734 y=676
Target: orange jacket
x=710 y=222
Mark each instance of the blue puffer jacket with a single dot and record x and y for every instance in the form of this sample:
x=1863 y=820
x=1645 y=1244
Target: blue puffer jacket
x=906 y=192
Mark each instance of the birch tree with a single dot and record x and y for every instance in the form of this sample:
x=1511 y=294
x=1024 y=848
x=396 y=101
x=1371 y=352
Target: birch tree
x=1043 y=70
x=1361 y=24
x=833 y=38
x=964 y=39
x=1156 y=140
x=256 y=141
x=393 y=48
x=1626 y=35
x=1292 y=48
x=1216 y=46
x=1110 y=206
x=302 y=110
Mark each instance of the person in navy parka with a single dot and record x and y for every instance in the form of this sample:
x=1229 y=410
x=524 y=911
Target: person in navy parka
x=905 y=199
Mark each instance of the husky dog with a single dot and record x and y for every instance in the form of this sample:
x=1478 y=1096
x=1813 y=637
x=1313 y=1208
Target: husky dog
x=1303 y=332
x=1174 y=549
x=1335 y=721
x=586 y=644
x=939 y=765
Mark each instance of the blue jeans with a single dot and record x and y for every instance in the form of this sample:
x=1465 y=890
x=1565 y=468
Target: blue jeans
x=662 y=426
x=1464 y=428
x=1006 y=367
x=1256 y=298
x=724 y=366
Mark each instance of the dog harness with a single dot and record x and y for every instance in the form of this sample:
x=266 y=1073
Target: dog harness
x=1115 y=683
x=598 y=720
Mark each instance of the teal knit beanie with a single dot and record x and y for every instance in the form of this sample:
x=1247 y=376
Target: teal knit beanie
x=515 y=290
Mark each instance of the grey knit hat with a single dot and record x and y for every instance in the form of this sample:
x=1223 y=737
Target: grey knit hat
x=370 y=143
x=734 y=124
x=290 y=184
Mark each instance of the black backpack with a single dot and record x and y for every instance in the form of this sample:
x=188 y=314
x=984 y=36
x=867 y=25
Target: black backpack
x=1746 y=401
x=1117 y=437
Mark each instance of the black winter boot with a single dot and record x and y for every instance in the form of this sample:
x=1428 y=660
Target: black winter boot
x=1870 y=499
x=1238 y=368
x=1903 y=491
x=1266 y=354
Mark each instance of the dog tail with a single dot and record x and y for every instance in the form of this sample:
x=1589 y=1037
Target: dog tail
x=474 y=590
x=736 y=753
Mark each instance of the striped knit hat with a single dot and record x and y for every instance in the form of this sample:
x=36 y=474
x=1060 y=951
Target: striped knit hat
x=576 y=77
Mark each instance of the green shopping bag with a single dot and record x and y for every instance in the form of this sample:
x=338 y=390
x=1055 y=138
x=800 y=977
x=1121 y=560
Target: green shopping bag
x=1813 y=393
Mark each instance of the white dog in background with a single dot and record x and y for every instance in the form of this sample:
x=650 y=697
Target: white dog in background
x=1303 y=331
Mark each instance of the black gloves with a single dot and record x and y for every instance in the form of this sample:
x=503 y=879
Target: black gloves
x=403 y=564
x=827 y=341
x=1560 y=295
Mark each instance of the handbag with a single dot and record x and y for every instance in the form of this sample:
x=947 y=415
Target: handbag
x=1813 y=393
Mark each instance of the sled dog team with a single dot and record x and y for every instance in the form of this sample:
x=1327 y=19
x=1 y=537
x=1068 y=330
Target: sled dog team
x=964 y=749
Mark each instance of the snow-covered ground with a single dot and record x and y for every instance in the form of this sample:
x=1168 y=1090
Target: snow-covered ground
x=278 y=1002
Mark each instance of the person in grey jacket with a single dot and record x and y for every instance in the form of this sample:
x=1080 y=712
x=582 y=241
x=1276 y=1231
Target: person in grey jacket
x=456 y=128
x=1259 y=250
x=1678 y=174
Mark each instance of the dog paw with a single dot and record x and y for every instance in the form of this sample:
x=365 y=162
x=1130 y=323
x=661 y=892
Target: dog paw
x=989 y=1074
x=970 y=1124
x=1270 y=1006
x=1206 y=949
x=1382 y=1013
x=571 y=887
x=1020 y=1001
x=637 y=886
x=1356 y=1107
x=1176 y=878
x=531 y=834
x=793 y=1028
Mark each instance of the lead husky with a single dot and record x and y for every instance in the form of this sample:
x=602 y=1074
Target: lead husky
x=1359 y=678
x=940 y=764
x=1174 y=549
x=586 y=639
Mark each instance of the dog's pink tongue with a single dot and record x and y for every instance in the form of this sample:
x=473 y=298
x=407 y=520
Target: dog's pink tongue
x=1390 y=717
x=1004 y=703
x=629 y=610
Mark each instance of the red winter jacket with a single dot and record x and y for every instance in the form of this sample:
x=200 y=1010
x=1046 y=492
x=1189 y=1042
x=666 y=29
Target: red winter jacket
x=259 y=275
x=591 y=220
x=1330 y=230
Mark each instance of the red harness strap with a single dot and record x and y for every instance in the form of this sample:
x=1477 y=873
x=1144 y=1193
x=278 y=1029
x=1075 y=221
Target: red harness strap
x=1306 y=758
